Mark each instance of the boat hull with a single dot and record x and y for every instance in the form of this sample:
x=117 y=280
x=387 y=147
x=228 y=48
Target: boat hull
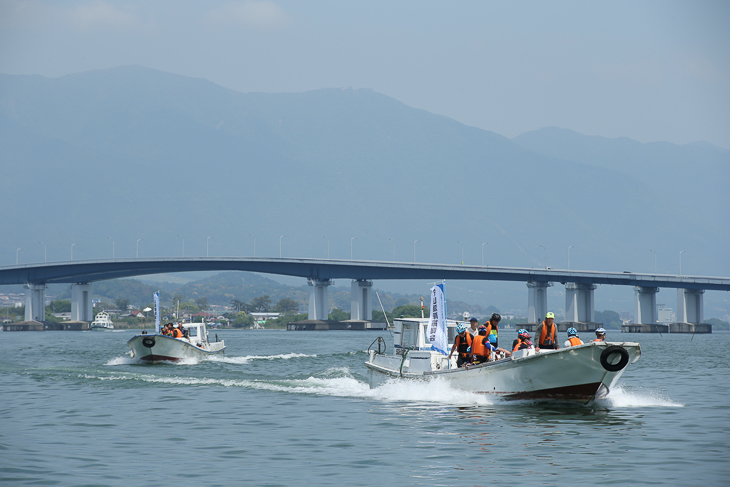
x=162 y=348
x=575 y=374
x=101 y=328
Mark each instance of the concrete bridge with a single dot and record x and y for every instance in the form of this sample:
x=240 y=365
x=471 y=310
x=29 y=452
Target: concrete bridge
x=579 y=285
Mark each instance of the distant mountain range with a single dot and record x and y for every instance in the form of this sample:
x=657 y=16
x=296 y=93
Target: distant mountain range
x=132 y=153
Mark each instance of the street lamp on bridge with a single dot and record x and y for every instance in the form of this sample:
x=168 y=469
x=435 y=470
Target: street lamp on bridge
x=485 y=243
x=393 y=247
x=414 y=250
x=651 y=250
x=183 y=245
x=462 y=251
x=328 y=245
x=138 y=246
x=254 y=243
x=351 y=240
x=207 y=240
x=16 y=254
x=280 y=244
x=680 y=262
x=72 y=251
x=112 y=246
x=45 y=251
x=543 y=248
x=569 y=255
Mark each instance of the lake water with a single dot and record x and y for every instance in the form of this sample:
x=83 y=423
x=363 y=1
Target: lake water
x=293 y=408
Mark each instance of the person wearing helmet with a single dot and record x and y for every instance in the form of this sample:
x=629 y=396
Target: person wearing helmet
x=481 y=348
x=473 y=322
x=523 y=340
x=573 y=339
x=547 y=334
x=600 y=335
x=462 y=346
x=492 y=329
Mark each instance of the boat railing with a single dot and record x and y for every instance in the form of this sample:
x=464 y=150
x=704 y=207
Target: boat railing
x=381 y=345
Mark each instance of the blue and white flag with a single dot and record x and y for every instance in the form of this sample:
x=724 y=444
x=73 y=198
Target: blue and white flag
x=437 y=334
x=157 y=312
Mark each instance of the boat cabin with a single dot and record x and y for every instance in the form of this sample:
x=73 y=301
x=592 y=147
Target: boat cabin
x=197 y=332
x=410 y=334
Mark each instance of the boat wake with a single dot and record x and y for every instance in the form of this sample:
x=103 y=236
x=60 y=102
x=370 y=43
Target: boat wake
x=336 y=381
x=250 y=358
x=620 y=398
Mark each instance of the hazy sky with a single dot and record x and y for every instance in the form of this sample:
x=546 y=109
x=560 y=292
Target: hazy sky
x=649 y=70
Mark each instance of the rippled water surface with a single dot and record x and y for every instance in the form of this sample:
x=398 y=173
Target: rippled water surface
x=293 y=408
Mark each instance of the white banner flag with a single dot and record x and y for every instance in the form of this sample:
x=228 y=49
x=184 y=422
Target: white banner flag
x=437 y=334
x=157 y=312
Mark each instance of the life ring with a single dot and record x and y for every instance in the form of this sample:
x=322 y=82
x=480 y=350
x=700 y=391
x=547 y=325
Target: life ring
x=614 y=366
x=148 y=342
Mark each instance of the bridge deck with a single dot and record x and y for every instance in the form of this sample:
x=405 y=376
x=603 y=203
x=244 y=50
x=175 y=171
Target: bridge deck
x=98 y=270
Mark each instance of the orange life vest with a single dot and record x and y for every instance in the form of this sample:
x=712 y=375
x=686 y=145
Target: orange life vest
x=462 y=346
x=478 y=347
x=544 y=339
x=176 y=333
x=574 y=341
x=599 y=340
x=492 y=329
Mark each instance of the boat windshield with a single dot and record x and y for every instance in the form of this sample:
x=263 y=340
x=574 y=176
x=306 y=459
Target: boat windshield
x=452 y=334
x=410 y=334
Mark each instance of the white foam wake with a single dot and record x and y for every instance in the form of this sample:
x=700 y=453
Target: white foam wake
x=249 y=358
x=620 y=398
x=338 y=382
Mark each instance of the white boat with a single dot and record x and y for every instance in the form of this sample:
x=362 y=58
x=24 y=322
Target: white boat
x=575 y=374
x=102 y=322
x=163 y=348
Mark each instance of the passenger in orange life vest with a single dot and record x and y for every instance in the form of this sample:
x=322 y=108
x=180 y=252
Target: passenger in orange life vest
x=523 y=341
x=492 y=329
x=547 y=334
x=600 y=335
x=481 y=348
x=573 y=339
x=462 y=343
x=166 y=330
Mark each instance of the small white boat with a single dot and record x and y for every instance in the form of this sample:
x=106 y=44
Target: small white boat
x=102 y=322
x=163 y=348
x=575 y=374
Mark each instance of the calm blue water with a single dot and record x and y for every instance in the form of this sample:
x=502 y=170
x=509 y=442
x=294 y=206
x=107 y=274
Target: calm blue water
x=293 y=408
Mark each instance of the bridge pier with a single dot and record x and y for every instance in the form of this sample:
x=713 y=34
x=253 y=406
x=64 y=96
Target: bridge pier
x=318 y=298
x=360 y=302
x=646 y=305
x=35 y=302
x=690 y=305
x=579 y=307
x=81 y=308
x=690 y=312
x=537 y=301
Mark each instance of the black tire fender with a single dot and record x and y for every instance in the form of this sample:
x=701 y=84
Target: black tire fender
x=149 y=342
x=614 y=366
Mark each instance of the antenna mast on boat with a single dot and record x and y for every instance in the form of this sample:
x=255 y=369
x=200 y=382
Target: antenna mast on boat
x=381 y=307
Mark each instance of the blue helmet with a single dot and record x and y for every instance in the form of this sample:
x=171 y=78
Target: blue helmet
x=572 y=332
x=600 y=331
x=521 y=330
x=460 y=328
